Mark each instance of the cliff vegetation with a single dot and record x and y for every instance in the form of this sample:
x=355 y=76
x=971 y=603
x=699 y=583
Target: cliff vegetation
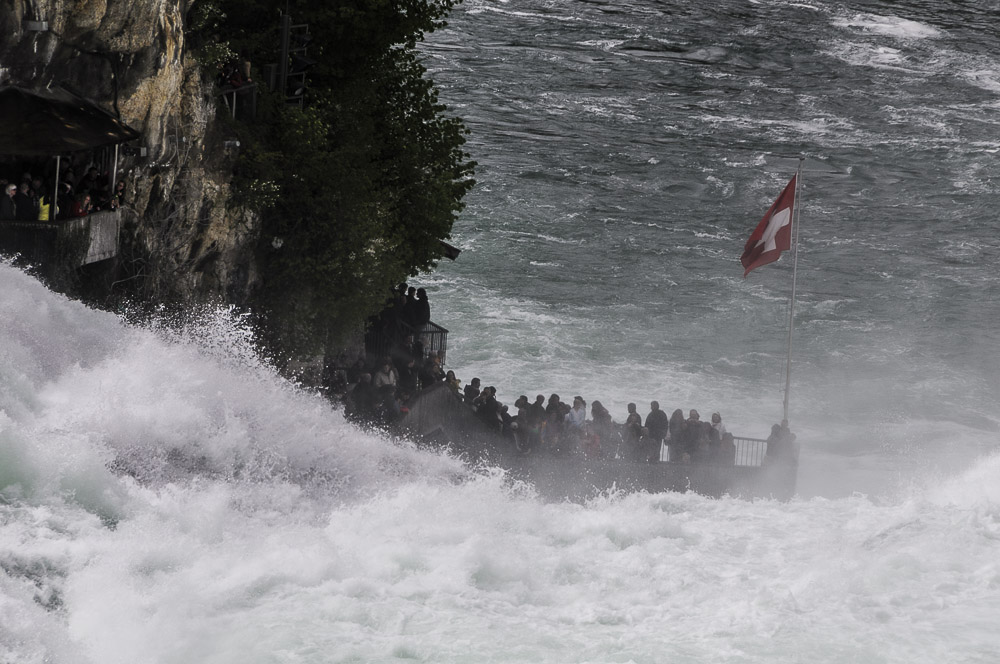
x=305 y=214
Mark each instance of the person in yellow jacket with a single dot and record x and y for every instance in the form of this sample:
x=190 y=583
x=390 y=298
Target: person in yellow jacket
x=44 y=208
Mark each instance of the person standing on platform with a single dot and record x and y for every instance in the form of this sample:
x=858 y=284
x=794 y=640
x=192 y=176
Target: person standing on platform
x=603 y=427
x=718 y=425
x=8 y=210
x=632 y=433
x=577 y=415
x=24 y=204
x=657 y=430
x=422 y=310
x=678 y=427
x=471 y=391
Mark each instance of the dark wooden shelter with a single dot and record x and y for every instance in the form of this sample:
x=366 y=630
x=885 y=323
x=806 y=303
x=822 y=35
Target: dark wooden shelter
x=52 y=123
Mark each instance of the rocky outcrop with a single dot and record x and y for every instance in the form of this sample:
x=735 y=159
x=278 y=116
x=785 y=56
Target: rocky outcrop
x=183 y=239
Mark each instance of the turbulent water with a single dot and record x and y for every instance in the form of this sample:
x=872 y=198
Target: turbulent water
x=166 y=498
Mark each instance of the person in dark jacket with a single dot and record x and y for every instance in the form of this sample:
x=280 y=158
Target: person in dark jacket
x=536 y=421
x=537 y=410
x=65 y=201
x=471 y=391
x=359 y=403
x=24 y=205
x=408 y=377
x=696 y=437
x=410 y=307
x=521 y=426
x=780 y=445
x=632 y=433
x=8 y=211
x=88 y=183
x=422 y=310
x=657 y=429
x=678 y=434
x=488 y=408
x=354 y=373
x=603 y=428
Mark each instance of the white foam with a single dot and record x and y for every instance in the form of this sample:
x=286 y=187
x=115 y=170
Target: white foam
x=263 y=524
x=986 y=79
x=889 y=26
x=863 y=54
x=978 y=487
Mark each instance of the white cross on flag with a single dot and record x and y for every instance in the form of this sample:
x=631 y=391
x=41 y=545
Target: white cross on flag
x=773 y=234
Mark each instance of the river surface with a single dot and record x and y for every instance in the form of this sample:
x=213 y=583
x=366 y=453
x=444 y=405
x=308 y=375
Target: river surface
x=166 y=498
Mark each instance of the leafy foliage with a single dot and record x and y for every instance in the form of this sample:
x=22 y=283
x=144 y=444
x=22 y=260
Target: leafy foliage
x=369 y=174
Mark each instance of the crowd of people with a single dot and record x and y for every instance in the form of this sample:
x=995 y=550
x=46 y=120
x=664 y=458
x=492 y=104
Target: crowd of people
x=235 y=72
x=377 y=390
x=378 y=384
x=378 y=393
x=29 y=198
x=559 y=427
x=407 y=310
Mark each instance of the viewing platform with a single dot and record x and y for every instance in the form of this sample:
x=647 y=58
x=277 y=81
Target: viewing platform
x=70 y=243
x=438 y=417
x=432 y=336
x=44 y=132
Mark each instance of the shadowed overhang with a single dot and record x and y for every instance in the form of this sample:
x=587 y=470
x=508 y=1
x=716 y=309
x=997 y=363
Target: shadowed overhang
x=51 y=122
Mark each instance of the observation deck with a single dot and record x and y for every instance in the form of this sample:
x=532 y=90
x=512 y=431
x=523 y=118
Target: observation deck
x=68 y=243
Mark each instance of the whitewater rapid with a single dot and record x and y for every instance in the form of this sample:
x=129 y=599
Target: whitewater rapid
x=625 y=153
x=167 y=498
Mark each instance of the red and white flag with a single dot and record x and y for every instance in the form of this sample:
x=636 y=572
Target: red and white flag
x=773 y=234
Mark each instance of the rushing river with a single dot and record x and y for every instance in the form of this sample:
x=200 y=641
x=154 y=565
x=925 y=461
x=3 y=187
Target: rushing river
x=166 y=498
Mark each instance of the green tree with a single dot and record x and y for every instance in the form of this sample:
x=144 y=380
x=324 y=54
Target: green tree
x=362 y=183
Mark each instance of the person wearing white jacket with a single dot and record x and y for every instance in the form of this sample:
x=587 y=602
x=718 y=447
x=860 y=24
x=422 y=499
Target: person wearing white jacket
x=718 y=425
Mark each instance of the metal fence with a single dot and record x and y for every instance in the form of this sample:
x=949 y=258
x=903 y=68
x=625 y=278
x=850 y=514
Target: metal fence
x=245 y=96
x=435 y=340
x=750 y=451
x=78 y=240
x=432 y=336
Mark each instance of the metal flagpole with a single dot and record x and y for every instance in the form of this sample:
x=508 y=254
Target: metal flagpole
x=54 y=203
x=114 y=174
x=795 y=266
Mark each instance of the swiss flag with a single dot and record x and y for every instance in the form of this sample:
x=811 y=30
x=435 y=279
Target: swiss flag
x=773 y=234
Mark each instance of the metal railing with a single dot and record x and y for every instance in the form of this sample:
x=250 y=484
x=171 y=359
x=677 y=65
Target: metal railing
x=434 y=339
x=247 y=93
x=432 y=336
x=78 y=240
x=750 y=451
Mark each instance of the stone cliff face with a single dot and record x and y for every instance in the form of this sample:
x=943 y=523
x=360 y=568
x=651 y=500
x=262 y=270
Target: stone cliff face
x=182 y=238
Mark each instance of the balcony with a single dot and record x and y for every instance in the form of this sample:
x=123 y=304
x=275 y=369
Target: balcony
x=432 y=336
x=69 y=243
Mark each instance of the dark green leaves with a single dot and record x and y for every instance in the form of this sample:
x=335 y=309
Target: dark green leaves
x=362 y=183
